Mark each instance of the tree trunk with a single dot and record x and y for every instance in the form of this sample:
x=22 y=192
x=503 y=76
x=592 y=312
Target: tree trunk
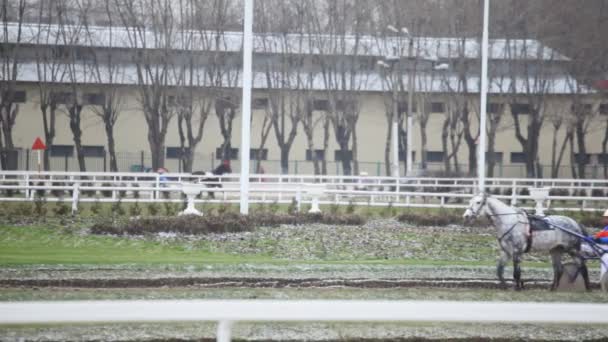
x=285 y=158
x=491 y=158
x=313 y=154
x=49 y=130
x=572 y=160
x=605 y=151
x=423 y=143
x=355 y=151
x=9 y=113
x=111 y=146
x=582 y=148
x=75 y=111
x=325 y=145
x=444 y=143
x=346 y=162
x=387 y=150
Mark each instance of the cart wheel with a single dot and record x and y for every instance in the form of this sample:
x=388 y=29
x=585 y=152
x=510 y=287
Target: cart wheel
x=571 y=279
x=604 y=282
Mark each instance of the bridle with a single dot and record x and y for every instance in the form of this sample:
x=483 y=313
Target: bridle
x=484 y=201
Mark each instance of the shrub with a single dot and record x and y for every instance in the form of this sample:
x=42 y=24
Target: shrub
x=96 y=207
x=187 y=224
x=24 y=209
x=273 y=207
x=153 y=209
x=40 y=192
x=40 y=206
x=62 y=209
x=135 y=210
x=224 y=208
x=106 y=193
x=88 y=193
x=135 y=192
x=437 y=219
x=597 y=193
x=118 y=209
x=58 y=192
x=170 y=209
x=229 y=222
x=350 y=208
x=10 y=192
x=524 y=192
x=293 y=207
x=334 y=209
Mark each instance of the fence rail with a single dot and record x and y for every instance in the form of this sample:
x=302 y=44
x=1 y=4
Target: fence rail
x=565 y=194
x=227 y=312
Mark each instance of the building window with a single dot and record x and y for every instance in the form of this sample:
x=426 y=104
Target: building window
x=521 y=108
x=339 y=156
x=62 y=151
x=95 y=99
x=435 y=156
x=64 y=97
x=18 y=96
x=402 y=155
x=437 y=107
x=257 y=154
x=518 y=157
x=321 y=105
x=320 y=154
x=260 y=103
x=495 y=108
x=582 y=158
x=603 y=109
x=93 y=151
x=175 y=152
x=234 y=154
x=402 y=107
x=496 y=157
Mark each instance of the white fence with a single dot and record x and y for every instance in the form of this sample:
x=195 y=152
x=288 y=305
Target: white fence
x=227 y=312
x=566 y=194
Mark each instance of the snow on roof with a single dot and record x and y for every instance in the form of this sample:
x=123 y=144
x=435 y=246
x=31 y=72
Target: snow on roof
x=372 y=81
x=426 y=47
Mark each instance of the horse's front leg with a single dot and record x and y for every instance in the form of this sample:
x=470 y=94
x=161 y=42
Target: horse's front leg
x=500 y=267
x=519 y=284
x=558 y=268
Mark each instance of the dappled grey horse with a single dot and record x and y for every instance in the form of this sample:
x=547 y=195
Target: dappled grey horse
x=515 y=237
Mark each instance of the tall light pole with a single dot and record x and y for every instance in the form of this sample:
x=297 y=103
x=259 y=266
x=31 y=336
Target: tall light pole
x=395 y=122
x=246 y=120
x=410 y=109
x=481 y=147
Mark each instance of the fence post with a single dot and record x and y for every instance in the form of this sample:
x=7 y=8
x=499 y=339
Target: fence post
x=224 y=331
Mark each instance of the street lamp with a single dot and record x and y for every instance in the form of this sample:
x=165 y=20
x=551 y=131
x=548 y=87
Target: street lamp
x=395 y=124
x=391 y=62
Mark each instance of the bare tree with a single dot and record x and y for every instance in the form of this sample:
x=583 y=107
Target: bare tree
x=282 y=74
x=107 y=68
x=49 y=70
x=151 y=33
x=71 y=34
x=557 y=153
x=12 y=19
x=340 y=42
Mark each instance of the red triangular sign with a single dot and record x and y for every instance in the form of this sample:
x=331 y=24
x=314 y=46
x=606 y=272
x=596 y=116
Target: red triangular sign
x=38 y=145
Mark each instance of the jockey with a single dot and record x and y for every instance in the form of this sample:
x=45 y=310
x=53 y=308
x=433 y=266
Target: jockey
x=602 y=235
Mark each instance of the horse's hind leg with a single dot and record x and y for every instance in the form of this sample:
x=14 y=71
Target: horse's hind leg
x=558 y=268
x=582 y=266
x=519 y=284
x=500 y=267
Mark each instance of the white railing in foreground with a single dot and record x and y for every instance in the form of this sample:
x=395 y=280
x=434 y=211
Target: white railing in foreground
x=566 y=194
x=226 y=312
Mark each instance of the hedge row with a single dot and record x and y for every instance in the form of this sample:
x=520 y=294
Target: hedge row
x=225 y=223
x=439 y=218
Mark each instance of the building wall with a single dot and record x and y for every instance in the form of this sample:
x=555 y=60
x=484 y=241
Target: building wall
x=131 y=137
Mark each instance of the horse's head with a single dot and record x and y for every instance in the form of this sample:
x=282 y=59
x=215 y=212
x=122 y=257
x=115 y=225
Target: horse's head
x=477 y=206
